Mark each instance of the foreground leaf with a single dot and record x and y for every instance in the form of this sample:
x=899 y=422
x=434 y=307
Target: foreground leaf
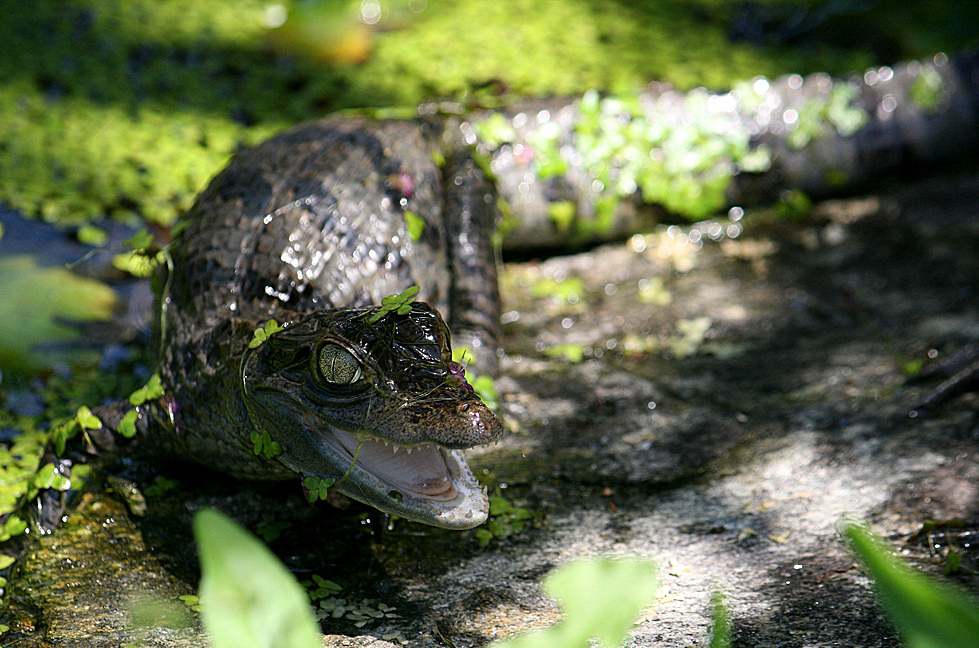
x=927 y=614
x=599 y=598
x=248 y=598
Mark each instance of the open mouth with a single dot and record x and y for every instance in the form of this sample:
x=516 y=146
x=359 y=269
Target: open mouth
x=421 y=472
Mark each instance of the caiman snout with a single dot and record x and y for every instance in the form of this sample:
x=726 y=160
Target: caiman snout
x=467 y=424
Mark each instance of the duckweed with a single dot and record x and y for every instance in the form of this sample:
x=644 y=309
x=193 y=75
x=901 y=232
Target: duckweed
x=263 y=332
x=399 y=303
x=316 y=488
x=506 y=519
x=128 y=107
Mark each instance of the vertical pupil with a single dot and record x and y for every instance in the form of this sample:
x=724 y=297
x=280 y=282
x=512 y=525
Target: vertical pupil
x=338 y=366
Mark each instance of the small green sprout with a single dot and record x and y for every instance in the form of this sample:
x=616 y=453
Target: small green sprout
x=316 y=488
x=263 y=332
x=152 y=390
x=127 y=426
x=720 y=634
x=400 y=303
x=264 y=445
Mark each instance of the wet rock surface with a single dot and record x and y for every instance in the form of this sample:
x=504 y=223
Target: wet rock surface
x=718 y=403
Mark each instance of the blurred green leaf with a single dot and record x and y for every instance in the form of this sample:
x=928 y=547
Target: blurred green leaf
x=927 y=614
x=248 y=598
x=600 y=598
x=37 y=307
x=415 y=225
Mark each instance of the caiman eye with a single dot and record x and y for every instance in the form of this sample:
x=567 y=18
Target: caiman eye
x=338 y=366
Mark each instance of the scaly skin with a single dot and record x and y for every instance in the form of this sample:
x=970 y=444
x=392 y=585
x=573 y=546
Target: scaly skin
x=310 y=229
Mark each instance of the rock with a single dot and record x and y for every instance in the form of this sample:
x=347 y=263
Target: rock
x=718 y=397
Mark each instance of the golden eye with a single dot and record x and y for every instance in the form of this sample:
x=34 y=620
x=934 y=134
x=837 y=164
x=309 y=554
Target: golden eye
x=338 y=366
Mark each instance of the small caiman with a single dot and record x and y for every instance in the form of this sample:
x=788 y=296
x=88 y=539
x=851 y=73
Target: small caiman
x=314 y=227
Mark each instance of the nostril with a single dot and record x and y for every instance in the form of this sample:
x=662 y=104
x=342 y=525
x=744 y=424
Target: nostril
x=464 y=408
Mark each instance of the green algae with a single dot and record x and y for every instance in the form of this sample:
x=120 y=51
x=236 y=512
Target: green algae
x=128 y=107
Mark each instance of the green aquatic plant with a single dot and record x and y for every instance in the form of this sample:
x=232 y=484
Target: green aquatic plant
x=317 y=488
x=264 y=446
x=151 y=391
x=506 y=519
x=128 y=107
x=263 y=332
x=399 y=303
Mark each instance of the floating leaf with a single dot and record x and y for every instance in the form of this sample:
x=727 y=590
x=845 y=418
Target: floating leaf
x=152 y=390
x=48 y=477
x=91 y=235
x=127 y=426
x=87 y=420
x=13 y=526
x=400 y=303
x=248 y=599
x=316 y=488
x=264 y=445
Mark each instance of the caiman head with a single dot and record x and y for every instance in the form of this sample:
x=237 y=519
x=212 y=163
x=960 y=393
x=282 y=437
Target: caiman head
x=373 y=400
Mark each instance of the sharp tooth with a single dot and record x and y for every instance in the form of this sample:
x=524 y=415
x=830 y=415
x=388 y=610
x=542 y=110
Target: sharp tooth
x=396 y=448
x=408 y=450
